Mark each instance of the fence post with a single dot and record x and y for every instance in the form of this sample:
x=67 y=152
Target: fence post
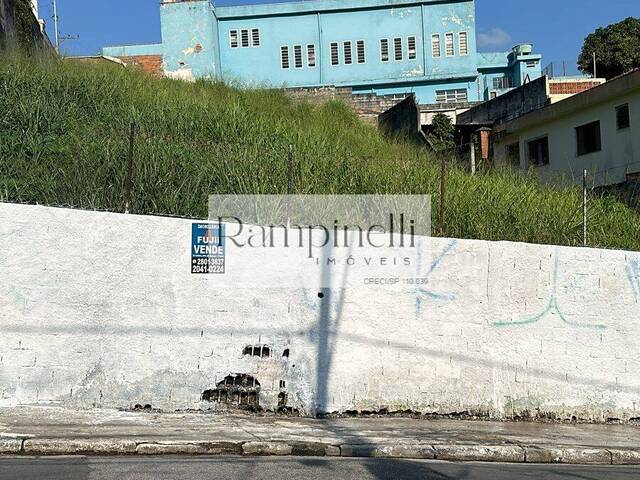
x=290 y=171
x=442 y=193
x=473 y=156
x=128 y=180
x=584 y=207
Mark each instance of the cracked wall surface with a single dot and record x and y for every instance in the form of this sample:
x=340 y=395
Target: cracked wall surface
x=100 y=309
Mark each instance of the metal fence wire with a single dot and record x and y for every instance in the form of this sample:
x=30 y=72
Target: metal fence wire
x=447 y=215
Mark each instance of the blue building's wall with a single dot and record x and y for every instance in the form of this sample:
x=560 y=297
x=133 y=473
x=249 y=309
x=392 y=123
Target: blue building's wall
x=189 y=39
x=133 y=50
x=197 y=44
x=261 y=65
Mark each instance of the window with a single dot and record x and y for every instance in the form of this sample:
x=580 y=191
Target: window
x=435 y=45
x=588 y=138
x=361 y=51
x=449 y=47
x=501 y=83
x=532 y=63
x=284 y=57
x=539 y=151
x=233 y=38
x=413 y=52
x=622 y=117
x=335 y=56
x=451 y=96
x=244 y=38
x=384 y=50
x=397 y=48
x=297 y=56
x=311 y=55
x=255 y=37
x=463 y=43
x=348 y=59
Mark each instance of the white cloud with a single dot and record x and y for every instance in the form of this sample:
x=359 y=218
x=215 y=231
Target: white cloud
x=496 y=37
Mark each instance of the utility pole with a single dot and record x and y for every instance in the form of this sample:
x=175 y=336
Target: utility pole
x=595 y=67
x=55 y=26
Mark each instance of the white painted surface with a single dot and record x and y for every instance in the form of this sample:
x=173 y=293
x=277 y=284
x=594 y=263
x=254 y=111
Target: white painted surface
x=99 y=309
x=619 y=157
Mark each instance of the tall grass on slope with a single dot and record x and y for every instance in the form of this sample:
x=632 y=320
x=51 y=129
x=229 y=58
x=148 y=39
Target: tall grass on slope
x=64 y=140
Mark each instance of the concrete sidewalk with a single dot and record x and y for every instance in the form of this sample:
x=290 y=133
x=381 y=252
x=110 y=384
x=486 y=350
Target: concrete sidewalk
x=57 y=431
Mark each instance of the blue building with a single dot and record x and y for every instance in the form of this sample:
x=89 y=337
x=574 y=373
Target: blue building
x=426 y=47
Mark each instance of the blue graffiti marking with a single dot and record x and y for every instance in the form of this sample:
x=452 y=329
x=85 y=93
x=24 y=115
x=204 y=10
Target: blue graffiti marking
x=633 y=274
x=552 y=307
x=421 y=291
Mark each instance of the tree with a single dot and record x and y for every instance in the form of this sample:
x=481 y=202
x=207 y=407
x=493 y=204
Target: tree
x=442 y=134
x=617 y=49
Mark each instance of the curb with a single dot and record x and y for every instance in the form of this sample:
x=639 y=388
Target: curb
x=416 y=451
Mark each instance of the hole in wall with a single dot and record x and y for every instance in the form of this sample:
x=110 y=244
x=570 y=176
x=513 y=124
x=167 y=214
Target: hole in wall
x=239 y=391
x=320 y=295
x=262 y=351
x=285 y=353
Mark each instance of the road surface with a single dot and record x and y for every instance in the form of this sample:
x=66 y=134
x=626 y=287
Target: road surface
x=289 y=468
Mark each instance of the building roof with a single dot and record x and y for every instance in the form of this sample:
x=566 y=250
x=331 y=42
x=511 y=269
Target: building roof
x=608 y=91
x=314 y=6
x=493 y=59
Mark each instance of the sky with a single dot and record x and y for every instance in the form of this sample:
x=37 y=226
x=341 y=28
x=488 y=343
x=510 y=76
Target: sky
x=557 y=28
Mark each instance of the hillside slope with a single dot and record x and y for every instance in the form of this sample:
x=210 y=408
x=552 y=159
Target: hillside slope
x=64 y=132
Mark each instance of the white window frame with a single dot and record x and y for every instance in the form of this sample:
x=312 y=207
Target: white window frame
x=242 y=33
x=237 y=38
x=466 y=43
x=255 y=32
x=453 y=93
x=334 y=47
x=385 y=42
x=347 y=45
x=447 y=36
x=395 y=49
x=412 y=54
x=364 y=52
x=296 y=49
x=436 y=40
x=283 y=49
x=311 y=53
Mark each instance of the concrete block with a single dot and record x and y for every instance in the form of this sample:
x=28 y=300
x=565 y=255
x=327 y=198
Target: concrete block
x=75 y=446
x=10 y=446
x=267 y=448
x=480 y=453
x=416 y=451
x=625 y=457
x=311 y=449
x=568 y=455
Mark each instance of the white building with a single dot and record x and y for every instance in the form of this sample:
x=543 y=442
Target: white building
x=597 y=130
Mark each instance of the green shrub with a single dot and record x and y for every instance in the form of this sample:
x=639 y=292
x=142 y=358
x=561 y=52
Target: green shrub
x=64 y=131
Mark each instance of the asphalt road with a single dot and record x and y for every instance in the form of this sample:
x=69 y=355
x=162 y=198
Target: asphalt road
x=259 y=468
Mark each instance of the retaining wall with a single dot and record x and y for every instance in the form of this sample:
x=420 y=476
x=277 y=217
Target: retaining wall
x=100 y=309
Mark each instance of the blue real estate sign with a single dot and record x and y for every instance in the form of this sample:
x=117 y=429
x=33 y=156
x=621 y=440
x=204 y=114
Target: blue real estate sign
x=207 y=248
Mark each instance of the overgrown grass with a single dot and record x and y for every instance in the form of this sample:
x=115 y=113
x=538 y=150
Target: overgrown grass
x=64 y=140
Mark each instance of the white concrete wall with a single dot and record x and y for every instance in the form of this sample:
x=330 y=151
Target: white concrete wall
x=89 y=317
x=620 y=154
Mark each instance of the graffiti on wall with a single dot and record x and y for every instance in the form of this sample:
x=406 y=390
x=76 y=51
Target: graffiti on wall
x=553 y=306
x=423 y=291
x=633 y=275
